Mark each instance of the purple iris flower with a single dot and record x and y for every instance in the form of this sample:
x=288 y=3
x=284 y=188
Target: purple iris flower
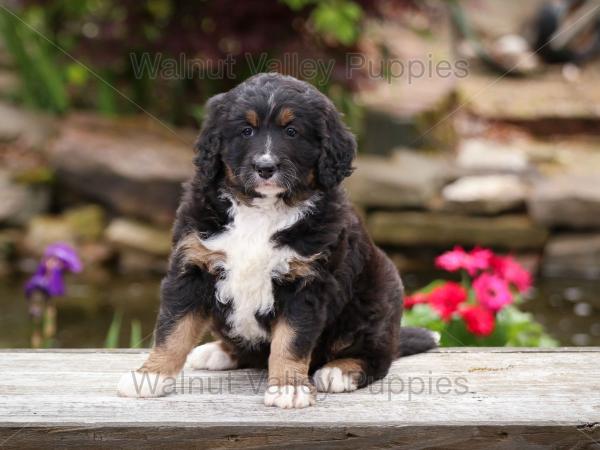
x=48 y=278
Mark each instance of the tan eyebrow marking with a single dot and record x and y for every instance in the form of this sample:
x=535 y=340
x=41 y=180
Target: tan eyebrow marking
x=252 y=118
x=286 y=116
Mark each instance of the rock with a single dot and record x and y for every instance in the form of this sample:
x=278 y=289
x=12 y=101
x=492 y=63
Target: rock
x=545 y=103
x=88 y=222
x=95 y=253
x=405 y=103
x=77 y=226
x=572 y=255
x=133 y=167
x=32 y=130
x=136 y=262
x=9 y=83
x=45 y=230
x=391 y=182
x=19 y=203
x=487 y=156
x=443 y=230
x=571 y=201
x=485 y=194
x=127 y=234
x=407 y=115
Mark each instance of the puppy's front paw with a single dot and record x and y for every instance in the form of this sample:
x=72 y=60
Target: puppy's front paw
x=144 y=384
x=289 y=396
x=211 y=356
x=332 y=379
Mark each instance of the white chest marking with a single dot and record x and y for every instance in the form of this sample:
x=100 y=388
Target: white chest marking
x=252 y=261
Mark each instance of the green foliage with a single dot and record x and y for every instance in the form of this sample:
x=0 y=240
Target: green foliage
x=339 y=19
x=44 y=86
x=49 y=38
x=135 y=338
x=297 y=5
x=514 y=328
x=522 y=330
x=114 y=332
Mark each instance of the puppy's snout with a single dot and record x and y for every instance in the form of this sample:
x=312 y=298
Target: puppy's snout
x=265 y=169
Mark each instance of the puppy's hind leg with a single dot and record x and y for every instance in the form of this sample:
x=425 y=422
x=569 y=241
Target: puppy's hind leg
x=351 y=373
x=174 y=340
x=340 y=375
x=213 y=356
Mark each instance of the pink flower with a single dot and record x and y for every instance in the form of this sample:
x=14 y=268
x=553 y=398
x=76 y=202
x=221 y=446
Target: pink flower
x=507 y=268
x=479 y=320
x=451 y=261
x=446 y=298
x=412 y=300
x=477 y=259
x=492 y=292
x=480 y=259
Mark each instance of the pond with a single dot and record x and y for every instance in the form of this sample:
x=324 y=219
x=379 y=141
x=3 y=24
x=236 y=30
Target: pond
x=570 y=309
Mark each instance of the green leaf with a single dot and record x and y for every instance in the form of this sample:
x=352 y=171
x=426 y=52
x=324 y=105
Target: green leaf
x=43 y=84
x=339 y=19
x=422 y=316
x=135 y=339
x=112 y=337
x=431 y=286
x=77 y=75
x=297 y=5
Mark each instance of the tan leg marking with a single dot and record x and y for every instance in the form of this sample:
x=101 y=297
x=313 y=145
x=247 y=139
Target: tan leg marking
x=284 y=368
x=156 y=376
x=169 y=357
x=289 y=385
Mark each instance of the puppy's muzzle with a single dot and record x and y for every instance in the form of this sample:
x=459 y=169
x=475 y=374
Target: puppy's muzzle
x=265 y=170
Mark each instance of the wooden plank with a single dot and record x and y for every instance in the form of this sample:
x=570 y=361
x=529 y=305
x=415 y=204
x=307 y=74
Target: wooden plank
x=450 y=398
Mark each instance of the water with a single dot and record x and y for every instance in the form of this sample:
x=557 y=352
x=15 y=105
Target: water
x=85 y=314
x=570 y=310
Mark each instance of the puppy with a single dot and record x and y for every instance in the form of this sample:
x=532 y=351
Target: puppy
x=269 y=256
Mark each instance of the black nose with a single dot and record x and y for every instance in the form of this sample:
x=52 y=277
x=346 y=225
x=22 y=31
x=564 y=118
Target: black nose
x=265 y=170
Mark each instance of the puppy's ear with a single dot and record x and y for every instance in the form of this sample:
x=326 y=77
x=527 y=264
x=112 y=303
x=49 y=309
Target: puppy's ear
x=208 y=145
x=338 y=148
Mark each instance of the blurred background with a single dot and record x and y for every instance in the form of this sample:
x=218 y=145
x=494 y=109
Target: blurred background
x=478 y=123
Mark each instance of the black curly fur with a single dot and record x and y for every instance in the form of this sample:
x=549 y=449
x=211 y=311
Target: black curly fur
x=351 y=305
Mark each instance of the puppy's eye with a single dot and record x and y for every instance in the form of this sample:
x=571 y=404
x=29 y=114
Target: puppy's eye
x=247 y=131
x=291 y=131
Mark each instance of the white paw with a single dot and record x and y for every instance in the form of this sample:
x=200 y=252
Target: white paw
x=145 y=384
x=212 y=357
x=332 y=379
x=289 y=396
x=436 y=336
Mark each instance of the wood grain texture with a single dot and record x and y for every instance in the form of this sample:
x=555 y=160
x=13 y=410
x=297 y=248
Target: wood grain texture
x=451 y=398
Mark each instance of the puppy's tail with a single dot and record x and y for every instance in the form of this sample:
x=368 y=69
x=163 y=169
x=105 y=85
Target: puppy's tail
x=415 y=340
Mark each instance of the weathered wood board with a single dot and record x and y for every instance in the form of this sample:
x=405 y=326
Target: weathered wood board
x=451 y=398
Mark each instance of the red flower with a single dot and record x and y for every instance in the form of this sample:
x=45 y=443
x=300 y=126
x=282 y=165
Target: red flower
x=479 y=320
x=492 y=292
x=446 y=298
x=507 y=268
x=477 y=259
x=412 y=300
